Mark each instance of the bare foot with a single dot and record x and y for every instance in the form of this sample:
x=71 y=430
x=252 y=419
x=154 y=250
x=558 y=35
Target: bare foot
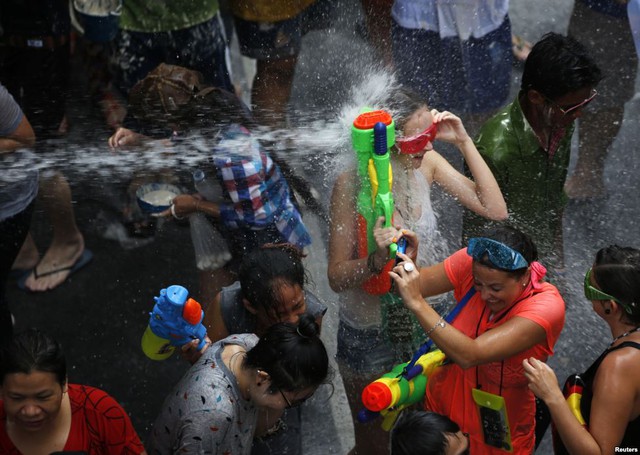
x=55 y=266
x=28 y=257
x=584 y=187
x=63 y=128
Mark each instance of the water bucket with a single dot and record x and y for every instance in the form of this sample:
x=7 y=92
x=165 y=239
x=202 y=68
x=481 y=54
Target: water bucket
x=97 y=20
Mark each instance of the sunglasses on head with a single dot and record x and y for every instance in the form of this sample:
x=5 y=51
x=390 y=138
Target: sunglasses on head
x=499 y=254
x=592 y=293
x=572 y=109
x=416 y=143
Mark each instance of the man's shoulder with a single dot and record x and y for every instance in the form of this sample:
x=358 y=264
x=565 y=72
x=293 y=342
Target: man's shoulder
x=501 y=135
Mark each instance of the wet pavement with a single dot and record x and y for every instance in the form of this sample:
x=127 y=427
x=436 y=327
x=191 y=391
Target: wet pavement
x=100 y=313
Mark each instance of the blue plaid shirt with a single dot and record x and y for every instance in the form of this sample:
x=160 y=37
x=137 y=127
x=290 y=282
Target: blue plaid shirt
x=259 y=193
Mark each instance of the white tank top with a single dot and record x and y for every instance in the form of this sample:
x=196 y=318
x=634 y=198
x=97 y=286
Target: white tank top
x=361 y=310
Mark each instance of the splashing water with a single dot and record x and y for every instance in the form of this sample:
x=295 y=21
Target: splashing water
x=317 y=149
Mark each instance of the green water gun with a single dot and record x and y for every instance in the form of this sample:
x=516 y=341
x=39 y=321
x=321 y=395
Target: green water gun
x=373 y=135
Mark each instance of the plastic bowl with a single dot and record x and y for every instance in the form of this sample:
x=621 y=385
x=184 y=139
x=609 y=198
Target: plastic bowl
x=156 y=197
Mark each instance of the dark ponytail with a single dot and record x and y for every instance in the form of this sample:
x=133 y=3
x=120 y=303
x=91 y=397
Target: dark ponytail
x=617 y=272
x=292 y=354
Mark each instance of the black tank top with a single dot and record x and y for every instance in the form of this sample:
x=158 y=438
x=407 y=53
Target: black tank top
x=632 y=433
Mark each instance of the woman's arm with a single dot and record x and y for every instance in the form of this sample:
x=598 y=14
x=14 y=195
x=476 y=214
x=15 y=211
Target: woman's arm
x=502 y=342
x=213 y=321
x=216 y=330
x=615 y=394
x=124 y=137
x=22 y=136
x=343 y=271
x=186 y=204
x=481 y=195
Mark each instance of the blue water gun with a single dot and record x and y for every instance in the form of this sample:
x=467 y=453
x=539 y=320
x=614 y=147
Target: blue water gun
x=175 y=320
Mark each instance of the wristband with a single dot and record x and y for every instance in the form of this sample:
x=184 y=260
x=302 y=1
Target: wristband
x=173 y=213
x=440 y=323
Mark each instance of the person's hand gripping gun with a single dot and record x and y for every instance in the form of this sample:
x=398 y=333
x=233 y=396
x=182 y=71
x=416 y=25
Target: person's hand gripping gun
x=373 y=135
x=176 y=320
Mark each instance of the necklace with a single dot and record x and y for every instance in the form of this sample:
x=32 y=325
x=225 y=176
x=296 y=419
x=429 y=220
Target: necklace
x=637 y=329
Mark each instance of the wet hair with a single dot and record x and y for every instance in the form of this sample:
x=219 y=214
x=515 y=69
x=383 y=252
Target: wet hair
x=558 y=65
x=265 y=270
x=422 y=432
x=514 y=239
x=292 y=355
x=617 y=272
x=403 y=104
x=33 y=350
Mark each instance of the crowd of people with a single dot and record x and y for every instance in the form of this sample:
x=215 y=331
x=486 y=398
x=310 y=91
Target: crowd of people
x=262 y=356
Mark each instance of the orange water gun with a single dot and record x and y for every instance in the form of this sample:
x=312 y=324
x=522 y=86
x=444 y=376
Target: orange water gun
x=398 y=389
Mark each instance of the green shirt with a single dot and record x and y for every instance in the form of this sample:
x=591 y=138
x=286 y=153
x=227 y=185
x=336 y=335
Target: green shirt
x=151 y=16
x=532 y=183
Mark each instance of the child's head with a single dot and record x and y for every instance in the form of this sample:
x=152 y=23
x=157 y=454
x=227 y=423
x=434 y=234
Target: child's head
x=427 y=433
x=272 y=279
x=415 y=127
x=403 y=104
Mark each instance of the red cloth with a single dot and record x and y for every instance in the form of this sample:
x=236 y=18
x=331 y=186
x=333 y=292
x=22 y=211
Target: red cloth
x=99 y=425
x=449 y=387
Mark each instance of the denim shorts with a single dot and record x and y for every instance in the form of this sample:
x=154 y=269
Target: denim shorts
x=278 y=40
x=366 y=351
x=201 y=48
x=472 y=76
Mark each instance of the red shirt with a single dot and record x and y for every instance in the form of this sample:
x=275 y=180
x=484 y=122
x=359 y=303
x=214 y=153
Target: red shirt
x=99 y=425
x=449 y=387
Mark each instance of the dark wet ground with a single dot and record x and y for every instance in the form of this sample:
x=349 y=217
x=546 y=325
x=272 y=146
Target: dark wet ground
x=100 y=313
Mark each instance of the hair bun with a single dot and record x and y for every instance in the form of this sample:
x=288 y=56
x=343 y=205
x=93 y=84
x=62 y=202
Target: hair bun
x=307 y=326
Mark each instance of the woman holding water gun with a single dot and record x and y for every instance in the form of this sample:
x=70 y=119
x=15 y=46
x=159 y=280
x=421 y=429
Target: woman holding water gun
x=510 y=314
x=363 y=349
x=270 y=289
x=610 y=403
x=239 y=388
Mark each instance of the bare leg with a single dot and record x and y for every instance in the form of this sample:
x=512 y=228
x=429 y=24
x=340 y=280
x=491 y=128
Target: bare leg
x=67 y=244
x=272 y=89
x=597 y=132
x=378 y=19
x=270 y=98
x=28 y=256
x=371 y=439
